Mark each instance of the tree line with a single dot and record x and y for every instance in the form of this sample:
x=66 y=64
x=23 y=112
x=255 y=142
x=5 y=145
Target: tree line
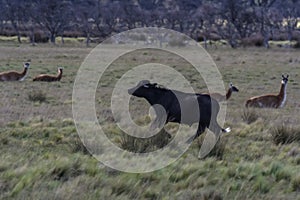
x=203 y=20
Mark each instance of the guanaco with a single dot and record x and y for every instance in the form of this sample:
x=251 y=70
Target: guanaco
x=14 y=75
x=270 y=100
x=219 y=97
x=50 y=78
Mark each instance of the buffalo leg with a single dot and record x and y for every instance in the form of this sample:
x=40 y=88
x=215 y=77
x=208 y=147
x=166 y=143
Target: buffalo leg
x=201 y=129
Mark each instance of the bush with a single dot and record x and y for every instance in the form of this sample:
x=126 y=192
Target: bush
x=78 y=146
x=138 y=37
x=256 y=40
x=285 y=135
x=37 y=96
x=261 y=185
x=199 y=38
x=279 y=37
x=297 y=45
x=295 y=183
x=249 y=115
x=177 y=42
x=73 y=34
x=39 y=37
x=213 y=195
x=143 y=145
x=217 y=151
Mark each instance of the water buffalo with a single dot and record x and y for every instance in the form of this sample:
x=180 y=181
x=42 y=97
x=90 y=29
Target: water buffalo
x=176 y=103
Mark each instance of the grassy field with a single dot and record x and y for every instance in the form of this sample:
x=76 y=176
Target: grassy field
x=42 y=156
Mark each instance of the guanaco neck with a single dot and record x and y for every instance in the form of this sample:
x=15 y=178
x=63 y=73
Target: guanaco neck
x=282 y=93
x=59 y=75
x=23 y=74
x=24 y=71
x=228 y=94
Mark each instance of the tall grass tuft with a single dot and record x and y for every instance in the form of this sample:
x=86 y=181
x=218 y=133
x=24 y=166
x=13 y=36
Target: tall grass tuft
x=261 y=185
x=285 y=135
x=78 y=146
x=37 y=96
x=295 y=183
x=143 y=145
x=217 y=151
x=213 y=195
x=249 y=115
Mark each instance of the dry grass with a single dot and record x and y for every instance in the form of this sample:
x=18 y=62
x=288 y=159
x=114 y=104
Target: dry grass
x=17 y=97
x=249 y=115
x=285 y=135
x=37 y=96
x=42 y=156
x=138 y=145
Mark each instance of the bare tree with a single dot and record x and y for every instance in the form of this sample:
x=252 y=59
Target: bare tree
x=130 y=11
x=185 y=11
x=232 y=20
x=236 y=20
x=85 y=16
x=109 y=16
x=290 y=11
x=262 y=8
x=15 y=13
x=53 y=15
x=152 y=12
x=206 y=17
x=2 y=17
x=149 y=4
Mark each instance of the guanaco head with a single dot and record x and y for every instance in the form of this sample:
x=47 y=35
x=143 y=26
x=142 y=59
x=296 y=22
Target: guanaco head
x=284 y=79
x=233 y=88
x=26 y=65
x=60 y=69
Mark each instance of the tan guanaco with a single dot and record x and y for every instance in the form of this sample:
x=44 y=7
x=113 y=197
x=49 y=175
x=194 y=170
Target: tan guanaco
x=270 y=100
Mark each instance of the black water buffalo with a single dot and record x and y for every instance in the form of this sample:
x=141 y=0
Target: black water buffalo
x=175 y=102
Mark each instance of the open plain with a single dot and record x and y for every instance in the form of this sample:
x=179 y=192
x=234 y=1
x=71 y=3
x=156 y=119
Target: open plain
x=42 y=156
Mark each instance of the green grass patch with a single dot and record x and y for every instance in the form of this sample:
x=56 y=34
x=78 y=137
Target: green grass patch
x=285 y=135
x=37 y=96
x=42 y=156
x=249 y=115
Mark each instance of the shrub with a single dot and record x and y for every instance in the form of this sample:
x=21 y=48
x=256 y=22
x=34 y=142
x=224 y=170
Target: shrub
x=217 y=151
x=177 y=42
x=261 y=185
x=39 y=37
x=199 y=38
x=296 y=35
x=297 y=45
x=138 y=37
x=213 y=195
x=256 y=40
x=295 y=183
x=73 y=34
x=278 y=171
x=78 y=146
x=249 y=115
x=143 y=145
x=37 y=96
x=285 y=135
